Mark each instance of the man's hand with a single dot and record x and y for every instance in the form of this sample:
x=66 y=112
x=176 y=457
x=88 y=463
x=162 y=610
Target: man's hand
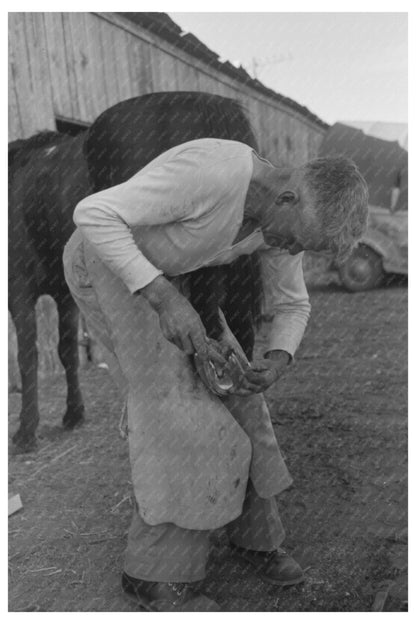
x=179 y=322
x=263 y=373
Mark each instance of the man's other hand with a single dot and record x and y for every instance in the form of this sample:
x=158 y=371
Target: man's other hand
x=264 y=373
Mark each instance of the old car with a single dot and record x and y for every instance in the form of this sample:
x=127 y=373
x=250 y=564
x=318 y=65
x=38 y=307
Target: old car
x=384 y=165
x=382 y=251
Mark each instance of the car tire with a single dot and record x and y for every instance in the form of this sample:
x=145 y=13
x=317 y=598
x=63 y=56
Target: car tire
x=363 y=270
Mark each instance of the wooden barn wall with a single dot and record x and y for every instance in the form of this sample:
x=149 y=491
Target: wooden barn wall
x=75 y=65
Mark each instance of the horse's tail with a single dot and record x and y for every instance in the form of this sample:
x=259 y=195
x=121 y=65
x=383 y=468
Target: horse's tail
x=13 y=149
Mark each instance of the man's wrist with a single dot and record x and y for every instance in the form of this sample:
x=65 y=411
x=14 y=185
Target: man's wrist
x=157 y=291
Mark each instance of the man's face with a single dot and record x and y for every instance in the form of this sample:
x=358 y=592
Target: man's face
x=294 y=225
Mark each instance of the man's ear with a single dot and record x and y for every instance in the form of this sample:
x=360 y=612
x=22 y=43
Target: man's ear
x=287 y=197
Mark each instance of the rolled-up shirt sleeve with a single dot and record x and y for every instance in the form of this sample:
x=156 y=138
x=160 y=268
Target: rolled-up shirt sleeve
x=286 y=298
x=154 y=196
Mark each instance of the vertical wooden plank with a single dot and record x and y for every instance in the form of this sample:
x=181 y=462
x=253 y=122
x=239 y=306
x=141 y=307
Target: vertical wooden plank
x=266 y=143
x=115 y=64
x=77 y=103
x=22 y=74
x=314 y=143
x=164 y=69
x=109 y=60
x=280 y=137
x=95 y=66
x=230 y=92
x=263 y=132
x=305 y=145
x=289 y=139
x=301 y=148
x=282 y=140
x=140 y=67
x=180 y=76
x=301 y=151
x=120 y=46
x=62 y=97
x=102 y=37
x=133 y=64
x=147 y=80
x=185 y=80
x=15 y=122
x=82 y=66
x=157 y=77
x=43 y=115
x=263 y=136
x=168 y=71
x=117 y=58
x=254 y=118
x=75 y=60
x=267 y=124
x=87 y=65
x=92 y=66
x=192 y=79
x=207 y=84
x=309 y=144
x=223 y=90
x=215 y=86
x=186 y=77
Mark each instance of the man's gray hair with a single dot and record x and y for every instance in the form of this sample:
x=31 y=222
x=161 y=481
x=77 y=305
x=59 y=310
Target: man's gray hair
x=341 y=201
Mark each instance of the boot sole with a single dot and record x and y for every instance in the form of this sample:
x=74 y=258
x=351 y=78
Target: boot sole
x=131 y=590
x=297 y=581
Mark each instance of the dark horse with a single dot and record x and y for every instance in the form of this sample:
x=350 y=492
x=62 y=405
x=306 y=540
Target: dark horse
x=127 y=136
x=47 y=177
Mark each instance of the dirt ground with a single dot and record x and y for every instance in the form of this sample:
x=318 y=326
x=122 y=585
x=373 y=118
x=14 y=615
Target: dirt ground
x=341 y=419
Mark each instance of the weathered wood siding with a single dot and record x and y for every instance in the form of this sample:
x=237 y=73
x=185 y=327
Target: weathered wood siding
x=75 y=65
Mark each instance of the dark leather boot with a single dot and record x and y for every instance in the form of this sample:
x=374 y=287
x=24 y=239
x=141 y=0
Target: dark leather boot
x=275 y=567
x=154 y=596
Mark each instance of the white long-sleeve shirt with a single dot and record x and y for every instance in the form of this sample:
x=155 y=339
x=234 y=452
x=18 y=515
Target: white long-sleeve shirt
x=182 y=212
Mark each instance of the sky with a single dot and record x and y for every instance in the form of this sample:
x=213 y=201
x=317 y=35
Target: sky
x=342 y=66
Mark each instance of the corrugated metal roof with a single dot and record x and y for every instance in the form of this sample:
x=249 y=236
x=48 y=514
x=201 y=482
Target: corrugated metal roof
x=162 y=25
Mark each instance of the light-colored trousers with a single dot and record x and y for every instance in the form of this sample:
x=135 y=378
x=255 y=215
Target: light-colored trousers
x=191 y=454
x=168 y=553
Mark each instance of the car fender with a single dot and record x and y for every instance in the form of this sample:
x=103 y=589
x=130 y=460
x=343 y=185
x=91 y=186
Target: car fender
x=393 y=261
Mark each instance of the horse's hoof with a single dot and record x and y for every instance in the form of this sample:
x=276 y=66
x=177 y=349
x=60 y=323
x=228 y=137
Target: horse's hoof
x=73 y=417
x=24 y=442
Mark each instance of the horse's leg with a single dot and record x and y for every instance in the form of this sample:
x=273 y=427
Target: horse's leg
x=22 y=309
x=68 y=354
x=206 y=288
x=242 y=302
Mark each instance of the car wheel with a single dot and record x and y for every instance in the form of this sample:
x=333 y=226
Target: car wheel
x=363 y=270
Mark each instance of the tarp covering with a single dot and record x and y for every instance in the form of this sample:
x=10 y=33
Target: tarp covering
x=384 y=164
x=389 y=131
